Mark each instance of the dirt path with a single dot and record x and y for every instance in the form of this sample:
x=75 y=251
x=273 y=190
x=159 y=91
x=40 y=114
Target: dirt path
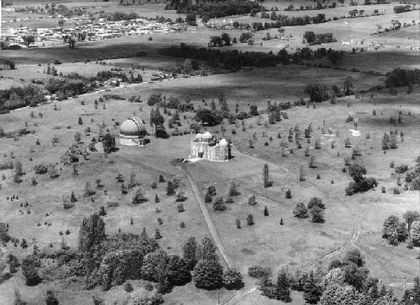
x=207 y=218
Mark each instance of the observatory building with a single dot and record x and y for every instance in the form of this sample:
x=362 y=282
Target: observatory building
x=133 y=132
x=206 y=146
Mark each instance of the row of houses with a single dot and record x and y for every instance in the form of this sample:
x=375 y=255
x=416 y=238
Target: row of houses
x=81 y=28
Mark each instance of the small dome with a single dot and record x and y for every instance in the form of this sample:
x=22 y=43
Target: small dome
x=132 y=127
x=207 y=135
x=223 y=143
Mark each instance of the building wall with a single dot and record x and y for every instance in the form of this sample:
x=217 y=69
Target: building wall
x=212 y=153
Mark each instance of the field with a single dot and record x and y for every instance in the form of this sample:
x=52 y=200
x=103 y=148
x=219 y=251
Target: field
x=276 y=240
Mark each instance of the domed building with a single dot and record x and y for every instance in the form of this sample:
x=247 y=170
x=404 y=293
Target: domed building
x=206 y=146
x=133 y=132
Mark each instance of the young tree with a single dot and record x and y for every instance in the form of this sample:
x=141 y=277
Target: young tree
x=250 y=220
x=233 y=189
x=252 y=200
x=266 y=177
x=170 y=189
x=266 y=211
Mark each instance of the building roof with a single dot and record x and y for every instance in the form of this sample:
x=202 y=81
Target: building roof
x=133 y=126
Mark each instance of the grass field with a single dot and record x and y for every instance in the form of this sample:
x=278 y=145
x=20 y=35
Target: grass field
x=296 y=243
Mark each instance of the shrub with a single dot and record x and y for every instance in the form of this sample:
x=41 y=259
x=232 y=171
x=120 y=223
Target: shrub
x=300 y=210
x=259 y=272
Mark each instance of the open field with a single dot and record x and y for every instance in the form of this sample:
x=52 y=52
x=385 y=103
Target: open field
x=295 y=244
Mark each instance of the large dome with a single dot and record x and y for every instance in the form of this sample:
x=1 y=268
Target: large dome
x=132 y=127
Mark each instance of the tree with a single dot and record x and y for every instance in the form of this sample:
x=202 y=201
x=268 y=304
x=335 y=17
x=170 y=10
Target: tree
x=208 y=117
x=208 y=274
x=154 y=265
x=266 y=211
x=410 y=217
x=312 y=290
x=207 y=249
x=51 y=299
x=315 y=201
x=415 y=233
x=317 y=92
x=226 y=39
x=266 y=177
x=336 y=294
x=355 y=276
x=28 y=39
x=300 y=210
x=250 y=220
x=80 y=121
x=88 y=190
x=178 y=271
x=317 y=214
x=232 y=279
x=170 y=189
x=390 y=229
x=91 y=233
x=189 y=252
x=156 y=119
x=348 y=86
x=354 y=256
x=139 y=197
x=233 y=189
x=108 y=143
x=219 y=204
x=283 y=286
x=252 y=200
x=29 y=270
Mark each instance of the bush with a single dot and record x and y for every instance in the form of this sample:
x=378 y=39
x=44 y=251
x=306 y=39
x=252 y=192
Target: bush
x=300 y=210
x=259 y=272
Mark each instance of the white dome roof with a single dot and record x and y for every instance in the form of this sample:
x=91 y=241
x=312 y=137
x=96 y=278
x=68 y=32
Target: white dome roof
x=132 y=127
x=199 y=136
x=207 y=135
x=223 y=143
